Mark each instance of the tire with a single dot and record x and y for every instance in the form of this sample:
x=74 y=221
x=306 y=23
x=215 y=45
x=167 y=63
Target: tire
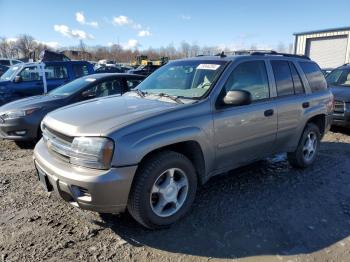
x=300 y=158
x=145 y=204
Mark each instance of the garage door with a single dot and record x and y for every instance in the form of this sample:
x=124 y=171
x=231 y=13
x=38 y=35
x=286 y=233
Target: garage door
x=328 y=52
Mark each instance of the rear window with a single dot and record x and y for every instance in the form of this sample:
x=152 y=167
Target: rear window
x=56 y=72
x=314 y=76
x=298 y=84
x=80 y=70
x=283 y=77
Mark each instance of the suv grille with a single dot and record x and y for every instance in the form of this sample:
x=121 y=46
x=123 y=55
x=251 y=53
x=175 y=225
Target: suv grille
x=339 y=107
x=57 y=143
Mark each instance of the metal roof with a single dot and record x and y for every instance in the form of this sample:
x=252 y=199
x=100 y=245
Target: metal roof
x=346 y=28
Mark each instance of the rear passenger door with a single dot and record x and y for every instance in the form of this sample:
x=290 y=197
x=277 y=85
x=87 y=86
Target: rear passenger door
x=245 y=133
x=290 y=102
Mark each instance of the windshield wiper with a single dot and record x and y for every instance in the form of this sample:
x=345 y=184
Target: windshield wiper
x=139 y=92
x=174 y=98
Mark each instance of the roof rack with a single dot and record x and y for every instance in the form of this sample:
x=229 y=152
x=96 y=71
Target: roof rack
x=271 y=52
x=258 y=53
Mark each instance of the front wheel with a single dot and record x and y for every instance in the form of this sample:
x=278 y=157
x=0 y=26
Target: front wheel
x=163 y=190
x=307 y=149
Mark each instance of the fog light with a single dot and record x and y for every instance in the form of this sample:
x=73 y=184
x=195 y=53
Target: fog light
x=81 y=193
x=20 y=133
x=17 y=133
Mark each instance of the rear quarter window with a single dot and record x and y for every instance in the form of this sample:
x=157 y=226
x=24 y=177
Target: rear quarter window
x=314 y=76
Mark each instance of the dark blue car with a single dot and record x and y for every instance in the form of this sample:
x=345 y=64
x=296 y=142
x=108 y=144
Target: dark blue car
x=27 y=79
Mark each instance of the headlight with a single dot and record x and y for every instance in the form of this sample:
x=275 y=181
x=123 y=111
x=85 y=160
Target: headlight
x=93 y=152
x=17 y=113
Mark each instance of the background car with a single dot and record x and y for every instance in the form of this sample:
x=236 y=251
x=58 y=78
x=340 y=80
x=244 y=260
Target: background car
x=144 y=70
x=326 y=71
x=339 y=83
x=25 y=79
x=20 y=120
x=108 y=69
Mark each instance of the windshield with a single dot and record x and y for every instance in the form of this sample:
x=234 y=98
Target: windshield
x=339 y=77
x=72 y=87
x=9 y=74
x=186 y=79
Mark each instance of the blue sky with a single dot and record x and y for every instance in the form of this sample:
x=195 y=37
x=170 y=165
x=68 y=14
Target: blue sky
x=234 y=24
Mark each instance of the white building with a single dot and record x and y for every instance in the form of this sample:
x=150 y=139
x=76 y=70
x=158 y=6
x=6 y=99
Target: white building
x=330 y=48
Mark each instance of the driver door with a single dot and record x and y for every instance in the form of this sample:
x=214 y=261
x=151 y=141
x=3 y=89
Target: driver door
x=31 y=83
x=245 y=133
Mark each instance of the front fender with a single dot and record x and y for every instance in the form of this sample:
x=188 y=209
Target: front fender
x=134 y=147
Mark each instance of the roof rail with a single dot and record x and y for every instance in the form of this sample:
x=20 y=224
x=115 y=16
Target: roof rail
x=258 y=53
x=279 y=54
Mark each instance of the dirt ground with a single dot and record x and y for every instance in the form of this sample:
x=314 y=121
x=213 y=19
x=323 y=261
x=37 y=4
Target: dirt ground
x=265 y=212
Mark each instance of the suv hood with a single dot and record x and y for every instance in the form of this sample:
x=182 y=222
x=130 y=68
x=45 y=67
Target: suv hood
x=341 y=93
x=101 y=116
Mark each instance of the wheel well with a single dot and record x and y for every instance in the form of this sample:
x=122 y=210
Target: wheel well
x=320 y=122
x=192 y=150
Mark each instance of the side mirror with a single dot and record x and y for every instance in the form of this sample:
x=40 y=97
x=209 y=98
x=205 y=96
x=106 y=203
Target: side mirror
x=237 y=98
x=89 y=94
x=18 y=79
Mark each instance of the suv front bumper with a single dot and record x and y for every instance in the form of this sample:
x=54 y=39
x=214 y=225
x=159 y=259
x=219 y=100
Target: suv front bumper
x=104 y=191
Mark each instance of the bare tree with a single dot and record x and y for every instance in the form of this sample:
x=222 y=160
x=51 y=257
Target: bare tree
x=25 y=44
x=281 y=48
x=185 y=49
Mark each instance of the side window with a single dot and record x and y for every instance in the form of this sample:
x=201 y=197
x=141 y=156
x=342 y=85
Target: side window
x=252 y=77
x=80 y=70
x=298 y=84
x=56 y=72
x=29 y=74
x=15 y=62
x=5 y=62
x=132 y=83
x=108 y=88
x=283 y=78
x=314 y=76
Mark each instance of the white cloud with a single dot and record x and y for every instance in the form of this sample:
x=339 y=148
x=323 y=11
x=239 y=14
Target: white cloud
x=11 y=39
x=144 y=33
x=185 y=17
x=53 y=45
x=123 y=20
x=79 y=16
x=72 y=33
x=131 y=44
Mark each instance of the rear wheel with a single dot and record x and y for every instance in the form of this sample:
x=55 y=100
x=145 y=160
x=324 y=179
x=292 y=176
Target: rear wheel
x=163 y=190
x=308 y=147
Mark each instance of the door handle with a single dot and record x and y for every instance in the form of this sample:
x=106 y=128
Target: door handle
x=306 y=104
x=268 y=112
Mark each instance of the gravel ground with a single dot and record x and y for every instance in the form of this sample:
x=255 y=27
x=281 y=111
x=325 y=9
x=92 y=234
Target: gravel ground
x=265 y=212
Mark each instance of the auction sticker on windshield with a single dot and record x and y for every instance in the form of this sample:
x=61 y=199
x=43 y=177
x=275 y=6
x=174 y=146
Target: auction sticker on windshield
x=208 y=66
